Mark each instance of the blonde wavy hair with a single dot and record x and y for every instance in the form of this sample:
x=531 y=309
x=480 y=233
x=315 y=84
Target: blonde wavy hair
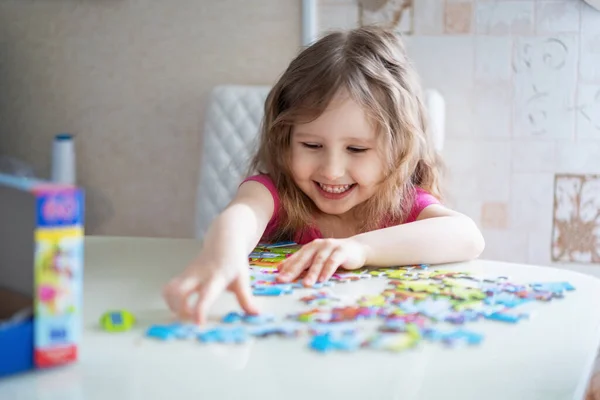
x=371 y=64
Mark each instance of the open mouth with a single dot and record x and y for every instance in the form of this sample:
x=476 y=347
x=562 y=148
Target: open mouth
x=334 y=191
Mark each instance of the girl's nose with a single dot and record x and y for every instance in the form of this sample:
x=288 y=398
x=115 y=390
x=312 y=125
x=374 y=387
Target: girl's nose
x=333 y=167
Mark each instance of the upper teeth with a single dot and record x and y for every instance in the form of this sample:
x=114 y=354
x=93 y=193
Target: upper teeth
x=334 y=188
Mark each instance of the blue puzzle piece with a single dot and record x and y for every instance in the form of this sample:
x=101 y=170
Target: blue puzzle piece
x=555 y=287
x=224 y=335
x=504 y=317
x=287 y=329
x=172 y=331
x=272 y=290
x=451 y=337
x=186 y=331
x=509 y=300
x=231 y=317
x=328 y=342
x=259 y=319
x=161 y=332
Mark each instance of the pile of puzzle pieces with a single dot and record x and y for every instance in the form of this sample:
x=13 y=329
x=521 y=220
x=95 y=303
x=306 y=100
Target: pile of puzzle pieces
x=418 y=304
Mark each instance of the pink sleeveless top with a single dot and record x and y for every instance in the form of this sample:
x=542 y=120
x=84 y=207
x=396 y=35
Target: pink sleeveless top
x=310 y=233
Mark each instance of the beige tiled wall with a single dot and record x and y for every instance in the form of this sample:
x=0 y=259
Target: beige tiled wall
x=521 y=79
x=129 y=78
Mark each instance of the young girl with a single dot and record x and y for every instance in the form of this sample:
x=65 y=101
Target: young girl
x=345 y=167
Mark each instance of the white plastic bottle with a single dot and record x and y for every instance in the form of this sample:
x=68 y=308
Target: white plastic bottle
x=63 y=159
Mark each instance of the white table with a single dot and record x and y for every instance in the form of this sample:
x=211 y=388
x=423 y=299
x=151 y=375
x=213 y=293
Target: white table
x=548 y=357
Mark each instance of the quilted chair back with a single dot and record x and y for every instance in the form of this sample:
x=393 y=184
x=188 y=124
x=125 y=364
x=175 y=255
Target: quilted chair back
x=232 y=122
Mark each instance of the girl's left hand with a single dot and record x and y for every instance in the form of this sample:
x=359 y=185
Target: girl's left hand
x=321 y=258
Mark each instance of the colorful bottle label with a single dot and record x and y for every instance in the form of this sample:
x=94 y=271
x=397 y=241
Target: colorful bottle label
x=59 y=240
x=60 y=208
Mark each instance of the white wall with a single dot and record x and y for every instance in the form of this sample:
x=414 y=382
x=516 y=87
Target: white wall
x=129 y=78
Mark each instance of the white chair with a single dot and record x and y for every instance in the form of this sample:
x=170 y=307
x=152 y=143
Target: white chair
x=232 y=123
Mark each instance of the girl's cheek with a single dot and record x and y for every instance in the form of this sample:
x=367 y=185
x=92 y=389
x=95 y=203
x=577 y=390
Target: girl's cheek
x=368 y=171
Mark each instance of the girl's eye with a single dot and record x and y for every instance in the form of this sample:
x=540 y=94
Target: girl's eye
x=357 y=149
x=311 y=145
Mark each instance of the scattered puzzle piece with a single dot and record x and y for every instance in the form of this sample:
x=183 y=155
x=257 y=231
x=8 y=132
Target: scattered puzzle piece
x=392 y=341
x=327 y=342
x=272 y=290
x=277 y=329
x=247 y=318
x=224 y=335
x=452 y=337
x=407 y=312
x=506 y=317
x=320 y=298
x=160 y=332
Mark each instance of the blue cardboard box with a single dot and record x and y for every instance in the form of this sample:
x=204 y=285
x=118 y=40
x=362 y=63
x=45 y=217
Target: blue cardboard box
x=41 y=273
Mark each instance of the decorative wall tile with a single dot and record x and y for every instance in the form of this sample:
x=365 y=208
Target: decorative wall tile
x=428 y=17
x=337 y=16
x=494 y=215
x=557 y=16
x=590 y=57
x=458 y=17
x=578 y=157
x=454 y=78
x=531 y=201
x=545 y=84
x=588 y=111
x=576 y=229
x=505 y=245
x=505 y=17
x=397 y=14
x=493 y=110
x=533 y=155
x=479 y=170
x=493 y=58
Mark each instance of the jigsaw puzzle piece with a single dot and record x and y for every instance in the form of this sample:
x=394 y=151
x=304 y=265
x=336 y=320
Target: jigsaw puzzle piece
x=272 y=290
x=285 y=329
x=327 y=342
x=224 y=335
x=392 y=341
x=450 y=338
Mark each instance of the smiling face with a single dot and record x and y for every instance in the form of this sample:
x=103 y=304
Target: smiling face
x=335 y=159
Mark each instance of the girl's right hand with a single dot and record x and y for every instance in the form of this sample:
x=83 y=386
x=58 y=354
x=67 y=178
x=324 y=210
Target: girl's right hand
x=208 y=279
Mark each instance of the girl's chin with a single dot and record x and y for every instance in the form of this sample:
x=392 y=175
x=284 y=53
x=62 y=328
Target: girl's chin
x=333 y=209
